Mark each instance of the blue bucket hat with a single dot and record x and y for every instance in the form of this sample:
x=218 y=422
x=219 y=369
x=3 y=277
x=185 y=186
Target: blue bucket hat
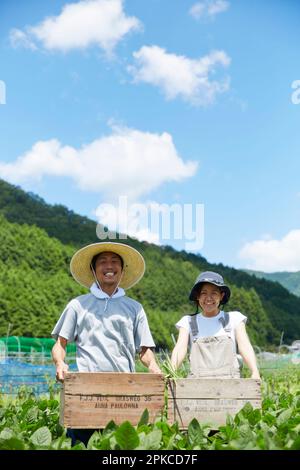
x=211 y=278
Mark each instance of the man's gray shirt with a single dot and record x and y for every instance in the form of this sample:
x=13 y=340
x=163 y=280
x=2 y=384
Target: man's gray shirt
x=107 y=332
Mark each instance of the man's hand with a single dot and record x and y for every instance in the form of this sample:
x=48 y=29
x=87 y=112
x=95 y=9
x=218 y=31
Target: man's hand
x=61 y=370
x=154 y=369
x=58 y=354
x=148 y=359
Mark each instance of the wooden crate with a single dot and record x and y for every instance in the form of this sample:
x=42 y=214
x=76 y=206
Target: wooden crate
x=91 y=400
x=210 y=400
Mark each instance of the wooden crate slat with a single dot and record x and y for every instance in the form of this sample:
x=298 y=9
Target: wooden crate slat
x=117 y=383
x=62 y=406
x=226 y=388
x=171 y=411
x=213 y=411
x=96 y=411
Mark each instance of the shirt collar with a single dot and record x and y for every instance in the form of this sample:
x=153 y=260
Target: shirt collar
x=100 y=294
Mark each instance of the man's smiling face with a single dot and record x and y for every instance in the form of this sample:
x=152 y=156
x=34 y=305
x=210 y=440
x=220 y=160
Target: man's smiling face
x=108 y=270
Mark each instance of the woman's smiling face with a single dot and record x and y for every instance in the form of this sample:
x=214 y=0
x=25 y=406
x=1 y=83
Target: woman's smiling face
x=209 y=298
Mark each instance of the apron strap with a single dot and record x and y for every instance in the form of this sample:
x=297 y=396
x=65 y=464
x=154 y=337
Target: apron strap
x=193 y=326
x=224 y=320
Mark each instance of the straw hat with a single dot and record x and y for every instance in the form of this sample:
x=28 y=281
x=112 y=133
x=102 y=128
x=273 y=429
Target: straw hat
x=133 y=269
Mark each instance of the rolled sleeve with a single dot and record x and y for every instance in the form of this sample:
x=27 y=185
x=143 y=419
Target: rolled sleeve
x=183 y=323
x=236 y=318
x=142 y=335
x=67 y=324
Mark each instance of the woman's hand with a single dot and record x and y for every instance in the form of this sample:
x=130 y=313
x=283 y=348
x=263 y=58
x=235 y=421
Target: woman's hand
x=255 y=375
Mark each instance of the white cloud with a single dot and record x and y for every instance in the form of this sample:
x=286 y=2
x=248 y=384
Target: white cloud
x=127 y=162
x=271 y=255
x=89 y=22
x=208 y=8
x=179 y=76
x=19 y=39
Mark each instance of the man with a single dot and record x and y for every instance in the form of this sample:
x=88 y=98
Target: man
x=107 y=326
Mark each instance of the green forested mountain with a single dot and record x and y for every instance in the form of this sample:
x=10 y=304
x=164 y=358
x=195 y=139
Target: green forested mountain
x=37 y=241
x=291 y=281
x=58 y=221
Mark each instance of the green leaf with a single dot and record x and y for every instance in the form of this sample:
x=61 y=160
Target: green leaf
x=62 y=443
x=94 y=440
x=144 y=418
x=12 y=444
x=296 y=444
x=171 y=443
x=79 y=446
x=105 y=444
x=296 y=428
x=246 y=432
x=126 y=436
x=194 y=432
x=65 y=443
x=53 y=404
x=43 y=405
x=254 y=417
x=284 y=416
x=6 y=433
x=32 y=414
x=247 y=409
x=150 y=441
x=41 y=437
x=166 y=429
x=109 y=428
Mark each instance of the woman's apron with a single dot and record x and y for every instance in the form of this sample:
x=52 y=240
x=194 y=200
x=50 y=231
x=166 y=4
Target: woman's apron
x=213 y=356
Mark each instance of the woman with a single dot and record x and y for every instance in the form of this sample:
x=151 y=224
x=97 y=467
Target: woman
x=215 y=336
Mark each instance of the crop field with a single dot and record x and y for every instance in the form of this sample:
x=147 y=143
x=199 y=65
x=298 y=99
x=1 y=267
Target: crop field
x=32 y=422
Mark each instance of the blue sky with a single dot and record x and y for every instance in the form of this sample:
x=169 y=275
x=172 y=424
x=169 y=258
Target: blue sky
x=173 y=102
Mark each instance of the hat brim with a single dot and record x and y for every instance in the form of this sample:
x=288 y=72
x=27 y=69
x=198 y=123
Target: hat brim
x=225 y=289
x=133 y=269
